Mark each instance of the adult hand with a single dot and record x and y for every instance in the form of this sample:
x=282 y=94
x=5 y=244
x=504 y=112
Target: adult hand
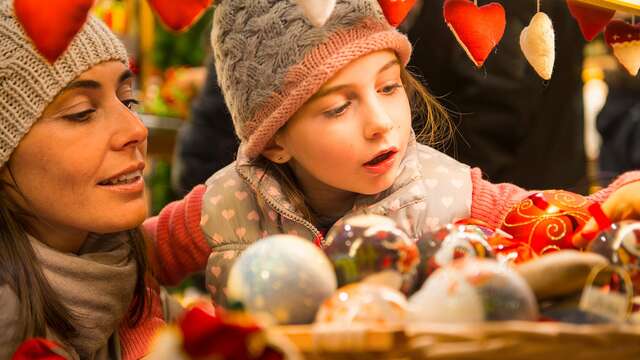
x=623 y=204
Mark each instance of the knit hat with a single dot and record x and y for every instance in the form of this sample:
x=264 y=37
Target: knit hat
x=28 y=83
x=270 y=59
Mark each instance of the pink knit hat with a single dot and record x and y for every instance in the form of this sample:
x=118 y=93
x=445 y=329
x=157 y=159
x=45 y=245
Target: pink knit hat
x=270 y=59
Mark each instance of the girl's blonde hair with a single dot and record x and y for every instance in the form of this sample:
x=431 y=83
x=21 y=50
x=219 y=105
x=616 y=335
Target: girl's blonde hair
x=437 y=131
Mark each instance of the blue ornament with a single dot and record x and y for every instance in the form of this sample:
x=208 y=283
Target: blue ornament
x=284 y=276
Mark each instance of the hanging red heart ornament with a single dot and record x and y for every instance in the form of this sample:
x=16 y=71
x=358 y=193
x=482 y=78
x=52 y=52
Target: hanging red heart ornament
x=624 y=39
x=477 y=29
x=396 y=10
x=591 y=19
x=52 y=37
x=179 y=15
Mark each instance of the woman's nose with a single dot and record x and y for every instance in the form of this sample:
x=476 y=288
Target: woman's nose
x=131 y=130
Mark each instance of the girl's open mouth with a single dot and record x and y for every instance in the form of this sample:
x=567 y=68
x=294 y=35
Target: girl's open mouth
x=382 y=162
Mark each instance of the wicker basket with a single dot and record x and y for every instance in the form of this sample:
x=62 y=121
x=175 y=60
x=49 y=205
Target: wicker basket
x=505 y=340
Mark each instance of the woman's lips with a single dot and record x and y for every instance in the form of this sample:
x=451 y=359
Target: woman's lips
x=135 y=186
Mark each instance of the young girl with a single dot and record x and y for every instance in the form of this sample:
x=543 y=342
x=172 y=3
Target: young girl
x=324 y=114
x=72 y=262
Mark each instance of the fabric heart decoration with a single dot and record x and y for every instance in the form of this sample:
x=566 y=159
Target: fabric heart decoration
x=179 y=15
x=591 y=19
x=52 y=37
x=396 y=10
x=317 y=11
x=624 y=39
x=477 y=29
x=537 y=42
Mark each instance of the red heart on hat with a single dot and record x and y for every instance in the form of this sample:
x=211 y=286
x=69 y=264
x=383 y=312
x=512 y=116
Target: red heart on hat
x=624 y=39
x=591 y=19
x=396 y=10
x=179 y=15
x=52 y=37
x=477 y=29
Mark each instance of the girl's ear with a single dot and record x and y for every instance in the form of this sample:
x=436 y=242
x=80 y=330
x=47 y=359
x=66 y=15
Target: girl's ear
x=275 y=152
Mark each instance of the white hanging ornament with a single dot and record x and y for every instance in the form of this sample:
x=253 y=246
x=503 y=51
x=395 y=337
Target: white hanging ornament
x=537 y=42
x=317 y=11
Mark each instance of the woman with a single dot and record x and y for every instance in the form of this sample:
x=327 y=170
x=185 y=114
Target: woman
x=72 y=262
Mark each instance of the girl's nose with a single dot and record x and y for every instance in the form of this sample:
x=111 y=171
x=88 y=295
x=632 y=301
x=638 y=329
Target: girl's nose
x=377 y=120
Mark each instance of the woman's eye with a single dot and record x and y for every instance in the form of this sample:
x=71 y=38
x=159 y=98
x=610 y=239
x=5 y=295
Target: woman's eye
x=390 y=89
x=132 y=104
x=80 y=116
x=338 y=111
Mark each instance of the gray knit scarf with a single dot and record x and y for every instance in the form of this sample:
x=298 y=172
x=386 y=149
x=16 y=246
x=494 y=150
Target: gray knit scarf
x=97 y=285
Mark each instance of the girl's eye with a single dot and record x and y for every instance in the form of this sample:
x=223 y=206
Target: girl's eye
x=390 y=89
x=132 y=104
x=80 y=116
x=338 y=111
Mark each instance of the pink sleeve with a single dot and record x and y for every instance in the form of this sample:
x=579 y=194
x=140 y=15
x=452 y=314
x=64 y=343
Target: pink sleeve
x=179 y=245
x=622 y=180
x=491 y=202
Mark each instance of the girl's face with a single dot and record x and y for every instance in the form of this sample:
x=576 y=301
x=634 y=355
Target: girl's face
x=353 y=133
x=79 y=168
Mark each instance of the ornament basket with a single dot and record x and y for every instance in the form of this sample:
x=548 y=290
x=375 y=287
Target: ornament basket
x=500 y=340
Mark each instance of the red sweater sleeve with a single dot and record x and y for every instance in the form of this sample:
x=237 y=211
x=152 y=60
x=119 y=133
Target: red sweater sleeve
x=135 y=341
x=179 y=246
x=491 y=202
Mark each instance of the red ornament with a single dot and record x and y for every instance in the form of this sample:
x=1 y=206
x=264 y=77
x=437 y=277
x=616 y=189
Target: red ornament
x=179 y=15
x=38 y=349
x=52 y=24
x=624 y=39
x=396 y=10
x=546 y=221
x=224 y=335
x=477 y=29
x=591 y=19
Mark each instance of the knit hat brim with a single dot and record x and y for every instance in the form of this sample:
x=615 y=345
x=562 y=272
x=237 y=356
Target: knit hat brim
x=29 y=83
x=316 y=68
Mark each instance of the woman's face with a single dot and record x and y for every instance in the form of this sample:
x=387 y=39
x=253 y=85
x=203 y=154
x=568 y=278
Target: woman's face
x=79 y=168
x=353 y=133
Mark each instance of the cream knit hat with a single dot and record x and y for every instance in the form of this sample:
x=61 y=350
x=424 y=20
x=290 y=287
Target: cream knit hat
x=270 y=59
x=28 y=83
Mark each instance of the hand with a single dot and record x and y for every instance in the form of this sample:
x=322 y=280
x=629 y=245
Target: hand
x=623 y=204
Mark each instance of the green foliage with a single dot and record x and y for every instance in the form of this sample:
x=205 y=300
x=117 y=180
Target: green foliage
x=187 y=48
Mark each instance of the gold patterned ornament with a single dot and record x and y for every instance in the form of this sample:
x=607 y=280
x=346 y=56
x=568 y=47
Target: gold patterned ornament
x=546 y=221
